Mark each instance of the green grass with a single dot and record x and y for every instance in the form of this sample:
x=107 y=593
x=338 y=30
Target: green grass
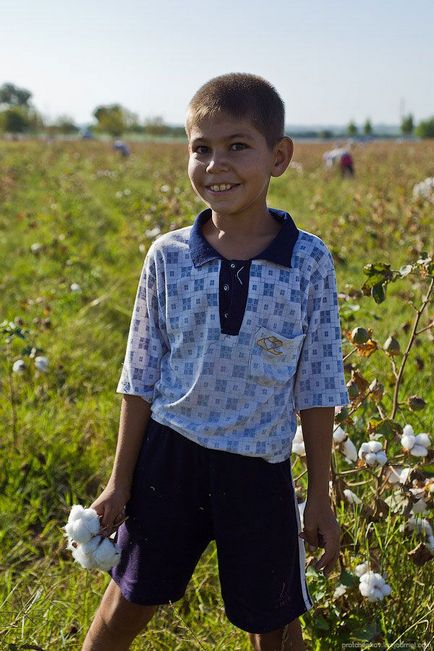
x=90 y=211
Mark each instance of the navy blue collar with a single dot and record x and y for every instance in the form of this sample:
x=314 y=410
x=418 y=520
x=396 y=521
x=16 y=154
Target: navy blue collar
x=278 y=251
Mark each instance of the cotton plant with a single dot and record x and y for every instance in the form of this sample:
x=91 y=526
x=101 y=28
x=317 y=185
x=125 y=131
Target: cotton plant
x=88 y=547
x=19 y=366
x=424 y=189
x=422 y=527
x=298 y=443
x=351 y=497
x=372 y=453
x=417 y=445
x=345 y=445
x=339 y=591
x=41 y=363
x=373 y=586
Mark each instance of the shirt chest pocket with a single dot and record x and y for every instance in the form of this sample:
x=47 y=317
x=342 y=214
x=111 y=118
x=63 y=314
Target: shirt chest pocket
x=273 y=358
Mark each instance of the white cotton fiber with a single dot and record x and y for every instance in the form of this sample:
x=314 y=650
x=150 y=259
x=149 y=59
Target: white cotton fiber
x=107 y=554
x=82 y=524
x=85 y=560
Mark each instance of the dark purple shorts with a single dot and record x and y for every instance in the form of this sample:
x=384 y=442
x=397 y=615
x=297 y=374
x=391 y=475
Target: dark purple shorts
x=185 y=495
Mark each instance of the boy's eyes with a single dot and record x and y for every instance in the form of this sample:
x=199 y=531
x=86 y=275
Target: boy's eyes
x=204 y=149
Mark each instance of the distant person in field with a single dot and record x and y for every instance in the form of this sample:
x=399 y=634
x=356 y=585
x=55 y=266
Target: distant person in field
x=341 y=156
x=346 y=164
x=234 y=330
x=122 y=148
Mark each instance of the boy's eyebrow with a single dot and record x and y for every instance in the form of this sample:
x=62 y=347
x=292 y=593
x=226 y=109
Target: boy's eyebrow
x=242 y=136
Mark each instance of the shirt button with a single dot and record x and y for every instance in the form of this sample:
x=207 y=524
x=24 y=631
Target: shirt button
x=226 y=315
x=226 y=288
x=233 y=265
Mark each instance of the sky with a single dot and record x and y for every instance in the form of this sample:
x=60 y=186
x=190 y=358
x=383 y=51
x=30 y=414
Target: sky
x=332 y=61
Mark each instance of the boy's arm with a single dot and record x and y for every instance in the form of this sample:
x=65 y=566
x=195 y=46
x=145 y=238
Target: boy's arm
x=320 y=525
x=317 y=427
x=134 y=417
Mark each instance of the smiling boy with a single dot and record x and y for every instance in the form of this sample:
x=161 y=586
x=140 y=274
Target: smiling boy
x=235 y=327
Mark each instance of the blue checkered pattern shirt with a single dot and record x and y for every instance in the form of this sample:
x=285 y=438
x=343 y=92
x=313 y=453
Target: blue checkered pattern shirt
x=236 y=393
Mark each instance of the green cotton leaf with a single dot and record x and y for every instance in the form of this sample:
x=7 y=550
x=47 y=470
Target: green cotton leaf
x=378 y=293
x=378 y=268
x=342 y=415
x=368 y=632
x=373 y=280
x=386 y=427
x=405 y=270
x=321 y=623
x=350 y=580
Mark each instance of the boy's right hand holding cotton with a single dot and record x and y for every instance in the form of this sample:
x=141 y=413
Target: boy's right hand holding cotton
x=110 y=506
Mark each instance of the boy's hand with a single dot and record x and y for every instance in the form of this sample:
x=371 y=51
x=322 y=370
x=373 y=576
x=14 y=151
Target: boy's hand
x=321 y=529
x=110 y=506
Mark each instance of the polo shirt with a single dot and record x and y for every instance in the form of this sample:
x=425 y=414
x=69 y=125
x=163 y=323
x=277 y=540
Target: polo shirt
x=226 y=351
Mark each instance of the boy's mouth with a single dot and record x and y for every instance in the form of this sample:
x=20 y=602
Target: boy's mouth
x=222 y=187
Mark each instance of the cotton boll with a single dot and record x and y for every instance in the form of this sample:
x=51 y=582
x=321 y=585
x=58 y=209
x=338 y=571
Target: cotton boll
x=298 y=443
x=386 y=589
x=423 y=439
x=82 y=524
x=407 y=441
x=393 y=475
x=339 y=591
x=373 y=586
x=79 y=554
x=107 y=554
x=18 y=366
x=418 y=451
x=41 y=363
x=381 y=457
x=361 y=569
x=405 y=473
x=375 y=446
x=349 y=450
x=339 y=435
x=352 y=497
x=371 y=458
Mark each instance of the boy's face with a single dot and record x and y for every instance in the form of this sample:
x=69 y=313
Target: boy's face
x=230 y=165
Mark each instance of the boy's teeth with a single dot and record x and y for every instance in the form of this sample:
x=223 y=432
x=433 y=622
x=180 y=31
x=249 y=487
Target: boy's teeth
x=220 y=188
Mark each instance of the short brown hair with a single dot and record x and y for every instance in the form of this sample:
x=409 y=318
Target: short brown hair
x=240 y=95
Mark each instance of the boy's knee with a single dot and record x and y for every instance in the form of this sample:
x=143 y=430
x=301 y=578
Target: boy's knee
x=117 y=614
x=283 y=639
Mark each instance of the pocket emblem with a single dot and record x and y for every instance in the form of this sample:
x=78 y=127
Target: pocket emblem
x=271 y=345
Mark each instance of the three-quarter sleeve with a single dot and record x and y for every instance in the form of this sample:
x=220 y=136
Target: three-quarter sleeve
x=147 y=340
x=320 y=380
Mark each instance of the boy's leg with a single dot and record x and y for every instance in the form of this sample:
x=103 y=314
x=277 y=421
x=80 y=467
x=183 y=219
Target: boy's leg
x=117 y=622
x=288 y=638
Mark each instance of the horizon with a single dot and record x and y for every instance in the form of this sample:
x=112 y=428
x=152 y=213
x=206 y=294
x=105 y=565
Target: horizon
x=331 y=64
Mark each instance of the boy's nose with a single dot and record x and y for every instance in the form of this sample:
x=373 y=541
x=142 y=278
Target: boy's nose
x=216 y=163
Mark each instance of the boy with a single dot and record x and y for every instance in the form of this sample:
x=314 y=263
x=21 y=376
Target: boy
x=234 y=328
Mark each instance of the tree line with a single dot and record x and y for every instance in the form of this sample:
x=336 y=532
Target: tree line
x=18 y=115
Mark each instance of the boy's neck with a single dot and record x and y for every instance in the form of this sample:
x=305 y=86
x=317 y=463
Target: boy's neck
x=240 y=238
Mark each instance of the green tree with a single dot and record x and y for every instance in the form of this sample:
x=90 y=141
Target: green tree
x=425 y=129
x=407 y=125
x=11 y=95
x=114 y=119
x=155 y=126
x=15 y=120
x=326 y=134
x=352 y=129
x=367 y=128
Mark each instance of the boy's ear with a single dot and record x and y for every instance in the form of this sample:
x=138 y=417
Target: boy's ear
x=282 y=155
